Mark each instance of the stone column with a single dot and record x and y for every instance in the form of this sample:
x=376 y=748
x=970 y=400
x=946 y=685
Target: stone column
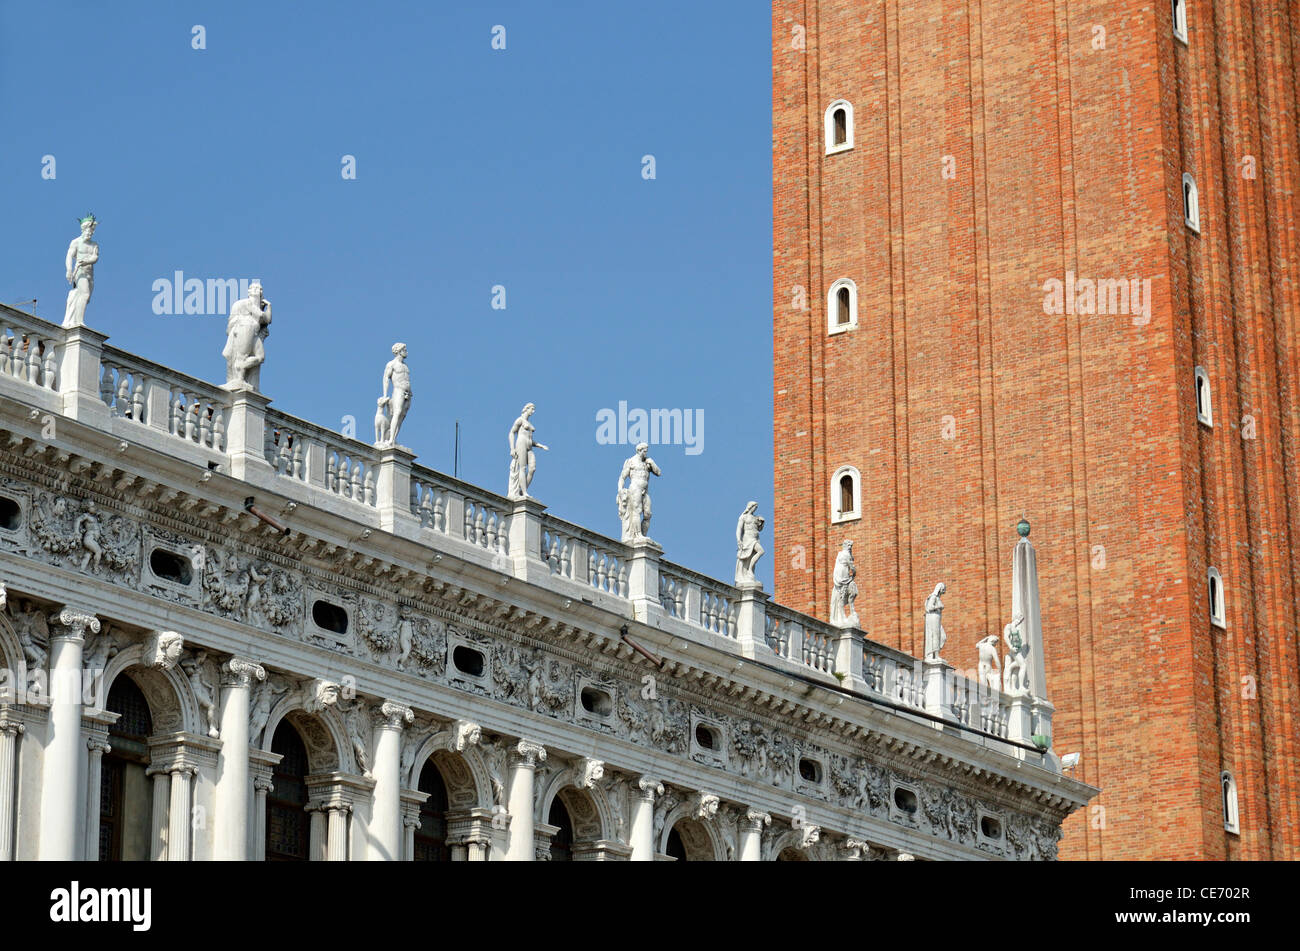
x=524 y=757
x=61 y=769
x=178 y=814
x=642 y=834
x=158 y=815
x=410 y=822
x=316 y=839
x=98 y=746
x=261 y=786
x=336 y=844
x=752 y=824
x=386 y=835
x=9 y=732
x=231 y=793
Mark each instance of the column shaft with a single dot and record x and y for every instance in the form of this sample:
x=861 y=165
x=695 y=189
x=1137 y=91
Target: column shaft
x=316 y=846
x=97 y=748
x=336 y=846
x=64 y=752
x=8 y=757
x=232 y=791
x=178 y=818
x=158 y=817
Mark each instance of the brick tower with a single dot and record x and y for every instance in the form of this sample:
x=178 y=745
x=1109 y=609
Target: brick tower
x=1041 y=257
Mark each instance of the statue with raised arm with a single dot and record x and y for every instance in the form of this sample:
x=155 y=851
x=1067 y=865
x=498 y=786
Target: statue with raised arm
x=523 y=460
x=935 y=635
x=1015 y=675
x=399 y=374
x=844 y=590
x=246 y=329
x=634 y=501
x=80 y=267
x=748 y=550
x=88 y=528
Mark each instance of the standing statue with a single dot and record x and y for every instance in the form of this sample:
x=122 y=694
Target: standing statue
x=80 y=267
x=523 y=461
x=634 y=501
x=203 y=688
x=399 y=374
x=1015 y=675
x=356 y=720
x=990 y=667
x=844 y=590
x=381 y=420
x=935 y=635
x=748 y=550
x=88 y=528
x=246 y=329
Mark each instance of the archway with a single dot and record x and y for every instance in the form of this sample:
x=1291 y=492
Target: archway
x=690 y=840
x=562 y=839
x=124 y=800
x=431 y=834
x=288 y=830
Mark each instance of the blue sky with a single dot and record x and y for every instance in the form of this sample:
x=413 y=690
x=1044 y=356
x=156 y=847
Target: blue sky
x=475 y=167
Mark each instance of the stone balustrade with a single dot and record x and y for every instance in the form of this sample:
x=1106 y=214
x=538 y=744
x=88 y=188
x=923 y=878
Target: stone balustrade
x=29 y=350
x=115 y=389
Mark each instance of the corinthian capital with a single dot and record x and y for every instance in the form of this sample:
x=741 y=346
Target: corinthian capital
x=395 y=714
x=74 y=624
x=240 y=672
x=527 y=753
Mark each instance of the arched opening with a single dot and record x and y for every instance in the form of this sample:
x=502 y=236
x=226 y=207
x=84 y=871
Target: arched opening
x=1230 y=822
x=846 y=494
x=431 y=835
x=1214 y=581
x=675 y=847
x=124 y=799
x=562 y=840
x=842 y=306
x=287 y=825
x=1204 y=410
x=1180 y=19
x=1191 y=203
x=838 y=123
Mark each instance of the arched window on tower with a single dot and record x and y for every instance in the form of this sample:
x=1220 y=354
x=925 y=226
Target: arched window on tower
x=1229 y=784
x=846 y=495
x=842 y=306
x=287 y=832
x=1180 y=19
x=1218 y=615
x=124 y=798
x=839 y=126
x=1204 y=410
x=1191 y=203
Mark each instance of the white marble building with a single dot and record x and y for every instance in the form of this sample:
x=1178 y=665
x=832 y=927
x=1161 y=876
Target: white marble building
x=422 y=669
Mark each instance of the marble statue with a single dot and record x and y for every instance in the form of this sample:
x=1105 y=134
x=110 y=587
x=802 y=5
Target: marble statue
x=88 y=528
x=162 y=650
x=246 y=329
x=357 y=722
x=399 y=374
x=381 y=420
x=80 y=267
x=204 y=690
x=990 y=667
x=634 y=501
x=1015 y=675
x=748 y=550
x=935 y=635
x=523 y=460
x=844 y=590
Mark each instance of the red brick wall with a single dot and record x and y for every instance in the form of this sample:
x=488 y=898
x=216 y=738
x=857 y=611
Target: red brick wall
x=1066 y=157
